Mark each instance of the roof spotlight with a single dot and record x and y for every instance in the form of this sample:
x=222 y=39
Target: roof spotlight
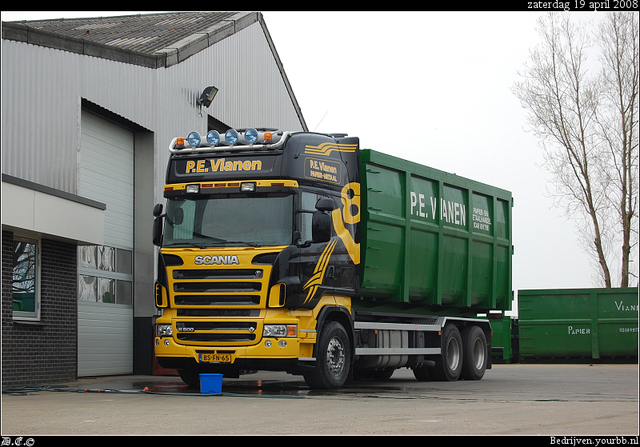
x=251 y=136
x=194 y=139
x=231 y=137
x=213 y=137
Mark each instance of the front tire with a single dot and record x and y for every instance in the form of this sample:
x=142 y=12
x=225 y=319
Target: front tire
x=333 y=359
x=190 y=377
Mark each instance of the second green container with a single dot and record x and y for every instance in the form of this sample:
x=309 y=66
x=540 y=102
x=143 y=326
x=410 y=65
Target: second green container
x=586 y=323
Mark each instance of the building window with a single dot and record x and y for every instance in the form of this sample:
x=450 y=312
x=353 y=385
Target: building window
x=105 y=275
x=26 y=279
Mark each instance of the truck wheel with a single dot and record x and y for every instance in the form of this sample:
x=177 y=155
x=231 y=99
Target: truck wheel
x=422 y=373
x=190 y=377
x=474 y=345
x=333 y=359
x=449 y=364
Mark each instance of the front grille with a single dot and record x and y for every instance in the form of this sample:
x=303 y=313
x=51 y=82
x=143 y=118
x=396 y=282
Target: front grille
x=218 y=274
x=233 y=297
x=216 y=338
x=209 y=331
x=218 y=312
x=217 y=300
x=218 y=287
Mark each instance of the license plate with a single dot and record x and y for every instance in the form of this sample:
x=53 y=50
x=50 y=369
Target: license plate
x=216 y=358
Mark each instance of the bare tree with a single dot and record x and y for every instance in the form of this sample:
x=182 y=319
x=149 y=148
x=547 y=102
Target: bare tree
x=587 y=121
x=618 y=118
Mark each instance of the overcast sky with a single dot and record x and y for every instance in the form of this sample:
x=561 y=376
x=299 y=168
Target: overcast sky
x=434 y=88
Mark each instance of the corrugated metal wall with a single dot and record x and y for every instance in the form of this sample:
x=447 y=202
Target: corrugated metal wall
x=40 y=115
x=42 y=90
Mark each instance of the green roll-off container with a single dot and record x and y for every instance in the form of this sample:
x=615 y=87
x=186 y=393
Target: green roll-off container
x=432 y=242
x=584 y=323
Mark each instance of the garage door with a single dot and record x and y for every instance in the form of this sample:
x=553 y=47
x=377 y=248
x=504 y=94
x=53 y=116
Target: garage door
x=105 y=273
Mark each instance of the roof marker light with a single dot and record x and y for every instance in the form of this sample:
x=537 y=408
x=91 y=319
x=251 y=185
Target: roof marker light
x=248 y=187
x=213 y=137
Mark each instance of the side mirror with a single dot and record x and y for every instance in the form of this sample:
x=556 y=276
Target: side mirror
x=321 y=227
x=157 y=224
x=325 y=204
x=321 y=222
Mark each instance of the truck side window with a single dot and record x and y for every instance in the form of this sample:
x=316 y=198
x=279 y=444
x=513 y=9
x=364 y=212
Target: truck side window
x=307 y=206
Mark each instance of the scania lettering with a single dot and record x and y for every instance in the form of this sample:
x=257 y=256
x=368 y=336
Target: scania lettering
x=209 y=260
x=301 y=252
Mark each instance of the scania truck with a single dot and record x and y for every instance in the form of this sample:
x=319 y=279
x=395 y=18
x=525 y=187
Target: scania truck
x=301 y=252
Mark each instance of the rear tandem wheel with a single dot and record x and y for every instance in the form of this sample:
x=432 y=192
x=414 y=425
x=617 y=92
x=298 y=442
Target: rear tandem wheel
x=448 y=365
x=474 y=346
x=464 y=356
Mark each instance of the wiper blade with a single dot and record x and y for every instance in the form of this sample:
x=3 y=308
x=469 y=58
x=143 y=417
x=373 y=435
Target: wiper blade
x=251 y=244
x=182 y=244
x=214 y=242
x=217 y=240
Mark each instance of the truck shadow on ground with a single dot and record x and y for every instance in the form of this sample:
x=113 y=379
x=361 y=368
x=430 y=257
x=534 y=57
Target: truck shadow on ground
x=255 y=387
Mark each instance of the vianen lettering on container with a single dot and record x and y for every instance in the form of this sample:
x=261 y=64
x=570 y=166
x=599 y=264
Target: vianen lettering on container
x=450 y=211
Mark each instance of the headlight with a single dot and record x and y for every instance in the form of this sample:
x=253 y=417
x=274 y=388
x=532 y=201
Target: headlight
x=280 y=330
x=164 y=330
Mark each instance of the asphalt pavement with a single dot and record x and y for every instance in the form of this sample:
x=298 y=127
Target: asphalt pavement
x=517 y=399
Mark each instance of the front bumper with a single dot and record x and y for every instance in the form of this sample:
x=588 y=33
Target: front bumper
x=275 y=354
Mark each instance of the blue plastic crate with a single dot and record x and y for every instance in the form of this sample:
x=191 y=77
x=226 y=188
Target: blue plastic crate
x=210 y=383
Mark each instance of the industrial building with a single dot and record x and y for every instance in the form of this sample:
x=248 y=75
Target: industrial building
x=89 y=107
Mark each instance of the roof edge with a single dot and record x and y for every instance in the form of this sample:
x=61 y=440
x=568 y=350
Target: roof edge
x=21 y=32
x=182 y=50
x=201 y=40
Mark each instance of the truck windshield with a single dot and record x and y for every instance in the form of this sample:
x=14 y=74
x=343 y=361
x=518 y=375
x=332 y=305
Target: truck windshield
x=210 y=221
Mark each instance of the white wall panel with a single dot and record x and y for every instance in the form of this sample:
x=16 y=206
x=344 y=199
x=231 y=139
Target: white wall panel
x=105 y=330
x=106 y=175
x=105 y=339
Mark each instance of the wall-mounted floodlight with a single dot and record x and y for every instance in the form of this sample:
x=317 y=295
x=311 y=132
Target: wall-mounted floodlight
x=206 y=98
